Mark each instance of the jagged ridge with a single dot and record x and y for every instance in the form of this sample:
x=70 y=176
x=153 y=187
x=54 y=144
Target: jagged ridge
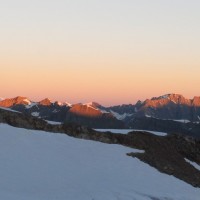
x=170 y=106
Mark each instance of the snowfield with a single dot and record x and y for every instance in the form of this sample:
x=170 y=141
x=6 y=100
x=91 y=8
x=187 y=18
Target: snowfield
x=125 y=131
x=36 y=165
x=53 y=122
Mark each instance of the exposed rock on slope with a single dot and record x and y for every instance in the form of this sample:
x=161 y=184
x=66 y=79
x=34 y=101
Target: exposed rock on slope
x=171 y=106
x=91 y=116
x=167 y=154
x=45 y=102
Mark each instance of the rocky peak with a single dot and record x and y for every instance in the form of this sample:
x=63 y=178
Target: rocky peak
x=45 y=102
x=167 y=99
x=67 y=104
x=166 y=96
x=179 y=99
x=196 y=101
x=58 y=103
x=172 y=97
x=85 y=110
x=93 y=105
x=14 y=101
x=139 y=103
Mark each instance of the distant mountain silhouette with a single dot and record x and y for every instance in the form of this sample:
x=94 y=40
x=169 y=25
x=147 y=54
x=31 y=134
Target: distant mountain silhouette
x=166 y=107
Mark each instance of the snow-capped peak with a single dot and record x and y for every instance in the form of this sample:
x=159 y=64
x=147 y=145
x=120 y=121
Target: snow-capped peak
x=67 y=104
x=27 y=101
x=63 y=104
x=59 y=103
x=91 y=105
x=88 y=104
x=15 y=101
x=166 y=96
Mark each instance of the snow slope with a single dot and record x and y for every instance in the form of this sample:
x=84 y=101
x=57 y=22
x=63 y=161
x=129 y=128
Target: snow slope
x=9 y=109
x=36 y=165
x=125 y=131
x=53 y=122
x=120 y=117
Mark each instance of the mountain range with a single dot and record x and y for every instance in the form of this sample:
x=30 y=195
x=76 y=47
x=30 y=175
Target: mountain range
x=172 y=110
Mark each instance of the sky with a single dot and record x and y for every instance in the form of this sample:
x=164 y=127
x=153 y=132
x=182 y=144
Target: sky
x=108 y=51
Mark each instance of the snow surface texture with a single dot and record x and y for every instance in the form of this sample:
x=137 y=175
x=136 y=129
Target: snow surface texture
x=36 y=165
x=125 y=131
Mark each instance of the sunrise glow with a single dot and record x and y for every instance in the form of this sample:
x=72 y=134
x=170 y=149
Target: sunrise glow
x=112 y=52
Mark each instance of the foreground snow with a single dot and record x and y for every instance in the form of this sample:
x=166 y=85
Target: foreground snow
x=46 y=166
x=125 y=131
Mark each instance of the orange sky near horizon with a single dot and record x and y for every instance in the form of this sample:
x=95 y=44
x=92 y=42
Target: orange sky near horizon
x=108 y=51
x=102 y=85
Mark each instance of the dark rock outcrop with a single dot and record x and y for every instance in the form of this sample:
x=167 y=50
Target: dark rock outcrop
x=167 y=154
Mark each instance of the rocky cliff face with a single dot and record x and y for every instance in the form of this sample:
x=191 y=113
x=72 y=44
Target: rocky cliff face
x=171 y=106
x=45 y=102
x=85 y=110
x=90 y=115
